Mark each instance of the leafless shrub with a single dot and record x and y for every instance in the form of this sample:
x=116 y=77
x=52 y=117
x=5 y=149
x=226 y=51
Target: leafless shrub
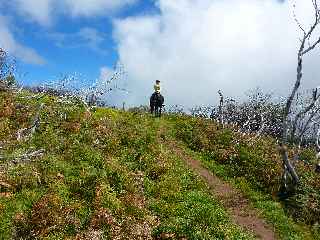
x=74 y=86
x=259 y=113
x=175 y=109
x=7 y=69
x=203 y=112
x=294 y=126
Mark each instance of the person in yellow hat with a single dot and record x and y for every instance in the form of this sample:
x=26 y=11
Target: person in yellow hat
x=157 y=87
x=156 y=97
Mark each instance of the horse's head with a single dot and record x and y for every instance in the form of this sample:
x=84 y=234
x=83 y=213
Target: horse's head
x=160 y=99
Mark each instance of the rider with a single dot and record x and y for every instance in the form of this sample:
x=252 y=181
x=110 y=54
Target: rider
x=157 y=87
x=157 y=90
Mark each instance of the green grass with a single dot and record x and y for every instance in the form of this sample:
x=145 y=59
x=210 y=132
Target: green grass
x=105 y=171
x=244 y=167
x=270 y=209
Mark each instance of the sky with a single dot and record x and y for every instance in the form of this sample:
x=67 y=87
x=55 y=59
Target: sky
x=195 y=47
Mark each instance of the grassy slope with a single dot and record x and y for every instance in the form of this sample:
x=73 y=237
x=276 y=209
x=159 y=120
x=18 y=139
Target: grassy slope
x=103 y=174
x=106 y=174
x=254 y=167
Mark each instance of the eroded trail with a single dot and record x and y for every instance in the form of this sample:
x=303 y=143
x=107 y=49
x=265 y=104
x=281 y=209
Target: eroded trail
x=234 y=201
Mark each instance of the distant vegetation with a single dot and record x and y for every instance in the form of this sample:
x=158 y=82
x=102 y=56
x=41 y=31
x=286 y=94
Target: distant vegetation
x=7 y=69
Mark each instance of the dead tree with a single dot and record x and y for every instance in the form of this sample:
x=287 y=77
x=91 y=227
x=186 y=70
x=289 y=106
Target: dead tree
x=7 y=68
x=318 y=152
x=304 y=118
x=217 y=113
x=103 y=87
x=286 y=123
x=220 y=110
x=27 y=132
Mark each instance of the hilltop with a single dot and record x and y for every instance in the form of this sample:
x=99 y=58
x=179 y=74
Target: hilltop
x=68 y=172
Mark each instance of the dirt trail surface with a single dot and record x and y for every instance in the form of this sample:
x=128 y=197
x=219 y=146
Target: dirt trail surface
x=233 y=201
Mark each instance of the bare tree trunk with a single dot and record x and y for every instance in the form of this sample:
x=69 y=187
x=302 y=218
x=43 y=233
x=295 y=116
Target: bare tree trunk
x=220 y=111
x=285 y=127
x=26 y=132
x=285 y=123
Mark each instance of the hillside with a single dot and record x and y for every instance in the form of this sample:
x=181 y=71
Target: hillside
x=109 y=174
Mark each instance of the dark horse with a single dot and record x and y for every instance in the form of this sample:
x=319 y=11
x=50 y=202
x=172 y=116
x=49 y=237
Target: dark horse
x=156 y=104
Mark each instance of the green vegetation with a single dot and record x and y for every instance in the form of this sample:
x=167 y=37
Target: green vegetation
x=102 y=174
x=108 y=174
x=254 y=167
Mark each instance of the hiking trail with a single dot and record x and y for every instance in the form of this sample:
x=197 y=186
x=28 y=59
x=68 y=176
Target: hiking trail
x=235 y=203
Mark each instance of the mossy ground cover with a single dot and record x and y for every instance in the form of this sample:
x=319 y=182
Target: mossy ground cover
x=104 y=174
x=254 y=166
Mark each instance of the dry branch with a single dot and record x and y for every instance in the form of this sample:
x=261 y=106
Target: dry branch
x=27 y=132
x=220 y=111
x=310 y=110
x=288 y=167
x=22 y=159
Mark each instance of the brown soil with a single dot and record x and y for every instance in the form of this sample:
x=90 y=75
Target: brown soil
x=235 y=202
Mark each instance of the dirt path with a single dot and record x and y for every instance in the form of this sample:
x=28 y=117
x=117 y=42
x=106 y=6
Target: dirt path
x=233 y=201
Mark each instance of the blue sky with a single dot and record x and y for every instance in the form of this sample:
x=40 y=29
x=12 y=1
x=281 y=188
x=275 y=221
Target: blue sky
x=195 y=47
x=81 y=44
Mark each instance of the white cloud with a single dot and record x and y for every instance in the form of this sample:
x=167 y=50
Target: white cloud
x=85 y=37
x=92 y=37
x=38 y=10
x=118 y=92
x=8 y=42
x=198 y=47
x=44 y=11
x=105 y=74
x=89 y=8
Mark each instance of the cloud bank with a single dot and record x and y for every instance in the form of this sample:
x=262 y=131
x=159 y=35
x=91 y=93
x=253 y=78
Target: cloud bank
x=198 y=47
x=89 y=8
x=44 y=11
x=86 y=37
x=39 y=11
x=9 y=43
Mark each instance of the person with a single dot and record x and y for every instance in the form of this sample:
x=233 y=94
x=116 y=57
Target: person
x=155 y=95
x=157 y=87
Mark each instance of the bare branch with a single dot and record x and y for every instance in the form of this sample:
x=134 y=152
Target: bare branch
x=303 y=112
x=221 y=120
x=22 y=159
x=311 y=47
x=318 y=143
x=285 y=127
x=297 y=21
x=27 y=132
x=288 y=165
x=312 y=28
x=28 y=157
x=262 y=127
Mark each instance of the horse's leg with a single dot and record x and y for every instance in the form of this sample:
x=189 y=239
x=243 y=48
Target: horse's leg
x=151 y=104
x=160 y=110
